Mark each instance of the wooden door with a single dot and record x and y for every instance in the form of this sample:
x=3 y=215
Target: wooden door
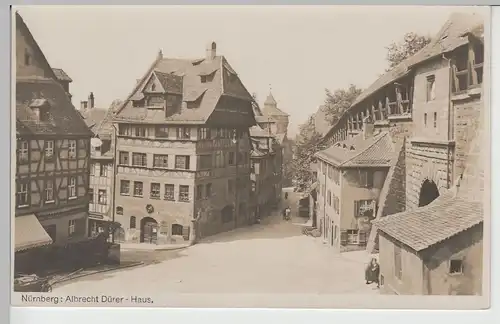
x=150 y=232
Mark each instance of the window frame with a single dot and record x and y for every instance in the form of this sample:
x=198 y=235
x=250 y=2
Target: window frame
x=23 y=152
x=153 y=193
x=20 y=192
x=72 y=151
x=99 y=196
x=72 y=183
x=184 y=195
x=49 y=150
x=141 y=187
x=127 y=183
x=169 y=193
x=46 y=191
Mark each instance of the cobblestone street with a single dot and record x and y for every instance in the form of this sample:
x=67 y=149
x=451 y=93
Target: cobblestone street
x=273 y=257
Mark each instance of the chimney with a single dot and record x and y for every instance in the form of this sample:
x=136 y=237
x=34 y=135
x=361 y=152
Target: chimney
x=83 y=105
x=368 y=127
x=160 y=55
x=91 y=100
x=211 y=51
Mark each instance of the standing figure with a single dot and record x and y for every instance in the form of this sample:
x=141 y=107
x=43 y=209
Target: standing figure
x=287 y=213
x=372 y=272
x=286 y=195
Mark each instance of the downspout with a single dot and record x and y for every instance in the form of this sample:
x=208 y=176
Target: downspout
x=236 y=209
x=451 y=122
x=324 y=208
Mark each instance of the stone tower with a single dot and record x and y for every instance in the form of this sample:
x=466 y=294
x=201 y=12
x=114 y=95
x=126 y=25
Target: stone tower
x=277 y=116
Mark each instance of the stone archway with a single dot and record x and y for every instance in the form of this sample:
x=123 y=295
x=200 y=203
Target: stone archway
x=428 y=193
x=149 y=230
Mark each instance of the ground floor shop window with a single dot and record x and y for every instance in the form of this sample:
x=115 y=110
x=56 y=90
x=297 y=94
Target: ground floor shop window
x=176 y=229
x=352 y=237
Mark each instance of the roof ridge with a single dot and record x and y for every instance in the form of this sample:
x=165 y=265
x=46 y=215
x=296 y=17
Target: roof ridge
x=365 y=149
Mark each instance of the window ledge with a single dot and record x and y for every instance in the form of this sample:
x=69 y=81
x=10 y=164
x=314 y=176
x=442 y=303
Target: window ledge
x=381 y=122
x=50 y=201
x=124 y=194
x=72 y=198
x=138 y=196
x=23 y=206
x=405 y=117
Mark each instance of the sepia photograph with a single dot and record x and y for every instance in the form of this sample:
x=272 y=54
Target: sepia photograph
x=251 y=156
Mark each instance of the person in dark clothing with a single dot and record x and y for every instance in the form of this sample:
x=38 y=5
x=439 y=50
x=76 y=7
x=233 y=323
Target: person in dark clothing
x=286 y=195
x=372 y=272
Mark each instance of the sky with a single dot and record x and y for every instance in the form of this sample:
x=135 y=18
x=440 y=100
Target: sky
x=295 y=51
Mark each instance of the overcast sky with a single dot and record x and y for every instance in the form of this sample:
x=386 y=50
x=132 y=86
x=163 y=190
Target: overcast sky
x=299 y=51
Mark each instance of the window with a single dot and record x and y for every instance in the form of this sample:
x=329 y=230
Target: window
x=72 y=149
x=336 y=204
x=425 y=120
x=92 y=167
x=203 y=133
x=155 y=191
x=23 y=151
x=103 y=172
x=124 y=158
x=219 y=159
x=205 y=162
x=140 y=131
x=123 y=129
x=153 y=87
x=137 y=188
x=182 y=162
x=161 y=131
x=456 y=266
x=27 y=57
x=336 y=176
x=431 y=88
x=352 y=236
x=199 y=192
x=398 y=269
x=49 y=150
x=203 y=78
x=124 y=187
x=435 y=119
x=90 y=194
x=72 y=187
x=139 y=159
x=366 y=178
x=22 y=194
x=208 y=190
x=160 y=161
x=71 y=227
x=169 y=192
x=231 y=159
x=184 y=193
x=133 y=221
x=329 y=198
x=363 y=207
x=183 y=133
x=102 y=197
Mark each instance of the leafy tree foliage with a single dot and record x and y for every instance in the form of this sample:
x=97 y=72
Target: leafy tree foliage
x=411 y=44
x=339 y=101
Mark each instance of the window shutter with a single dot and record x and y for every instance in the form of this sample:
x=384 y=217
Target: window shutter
x=343 y=238
x=369 y=179
x=356 y=208
x=185 y=232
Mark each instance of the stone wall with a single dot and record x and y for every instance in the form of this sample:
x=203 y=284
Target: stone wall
x=467 y=120
x=426 y=161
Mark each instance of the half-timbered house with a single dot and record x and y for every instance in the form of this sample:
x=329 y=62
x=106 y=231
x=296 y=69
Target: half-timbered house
x=183 y=151
x=52 y=153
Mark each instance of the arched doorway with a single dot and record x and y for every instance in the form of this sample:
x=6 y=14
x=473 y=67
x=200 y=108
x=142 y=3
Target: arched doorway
x=149 y=230
x=428 y=193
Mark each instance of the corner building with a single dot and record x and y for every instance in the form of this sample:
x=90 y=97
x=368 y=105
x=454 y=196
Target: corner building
x=183 y=152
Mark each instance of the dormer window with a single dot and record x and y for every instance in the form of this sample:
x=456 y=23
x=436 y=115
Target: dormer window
x=344 y=146
x=41 y=109
x=203 y=78
x=351 y=148
x=339 y=145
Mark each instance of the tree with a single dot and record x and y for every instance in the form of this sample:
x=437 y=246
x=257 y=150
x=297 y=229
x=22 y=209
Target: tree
x=411 y=44
x=306 y=145
x=339 y=101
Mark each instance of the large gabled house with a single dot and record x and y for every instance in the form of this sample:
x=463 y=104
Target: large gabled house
x=183 y=150
x=52 y=158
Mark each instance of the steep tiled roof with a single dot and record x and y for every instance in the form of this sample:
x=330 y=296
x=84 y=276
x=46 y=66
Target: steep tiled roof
x=225 y=82
x=63 y=118
x=170 y=83
x=426 y=226
x=377 y=150
x=450 y=37
x=93 y=117
x=61 y=75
